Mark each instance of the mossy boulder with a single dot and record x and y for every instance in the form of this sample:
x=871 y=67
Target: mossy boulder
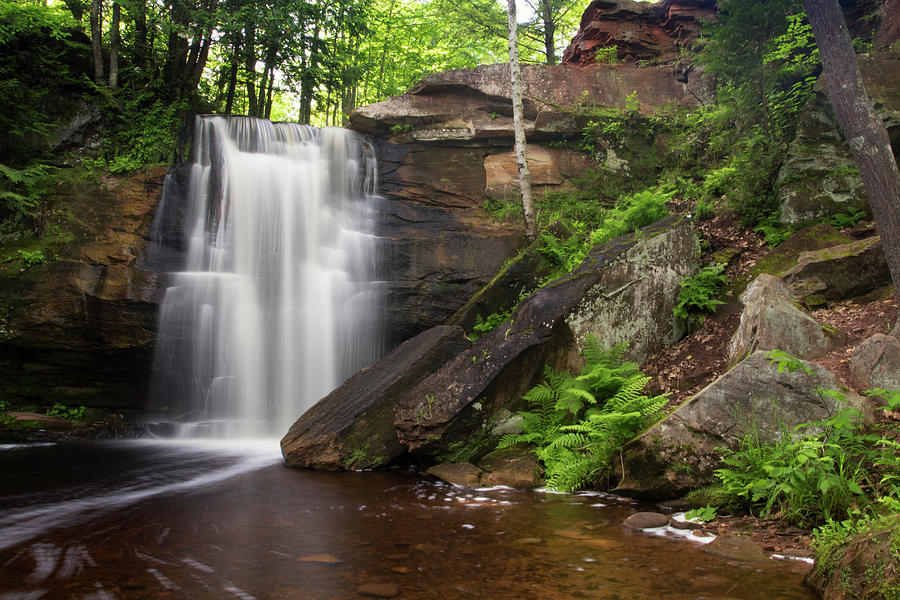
x=866 y=565
x=839 y=272
x=681 y=452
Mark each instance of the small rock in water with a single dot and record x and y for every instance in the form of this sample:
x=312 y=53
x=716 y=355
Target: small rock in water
x=737 y=547
x=401 y=570
x=528 y=541
x=325 y=559
x=646 y=520
x=375 y=589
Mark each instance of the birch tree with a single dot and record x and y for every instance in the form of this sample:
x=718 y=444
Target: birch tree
x=518 y=127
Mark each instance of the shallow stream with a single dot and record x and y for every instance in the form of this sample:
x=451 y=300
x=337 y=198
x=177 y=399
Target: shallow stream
x=149 y=519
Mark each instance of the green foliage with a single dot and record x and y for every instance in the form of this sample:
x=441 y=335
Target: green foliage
x=607 y=56
x=24 y=199
x=704 y=514
x=143 y=135
x=630 y=214
x=64 y=412
x=820 y=472
x=483 y=326
x=30 y=258
x=4 y=405
x=578 y=423
x=700 y=293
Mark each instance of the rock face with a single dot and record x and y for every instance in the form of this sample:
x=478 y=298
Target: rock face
x=468 y=398
x=875 y=363
x=819 y=176
x=679 y=453
x=638 y=30
x=771 y=319
x=80 y=331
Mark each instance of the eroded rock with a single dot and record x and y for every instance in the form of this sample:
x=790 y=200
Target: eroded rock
x=771 y=319
x=680 y=453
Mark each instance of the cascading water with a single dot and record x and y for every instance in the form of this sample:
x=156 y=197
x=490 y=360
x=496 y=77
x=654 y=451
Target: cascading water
x=277 y=304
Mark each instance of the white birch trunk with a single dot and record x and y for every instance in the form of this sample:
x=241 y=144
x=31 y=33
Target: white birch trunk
x=518 y=127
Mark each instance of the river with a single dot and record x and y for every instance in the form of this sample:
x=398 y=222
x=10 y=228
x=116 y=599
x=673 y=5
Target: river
x=175 y=519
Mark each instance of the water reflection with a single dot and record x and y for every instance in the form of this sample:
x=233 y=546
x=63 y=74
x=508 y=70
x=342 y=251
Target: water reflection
x=151 y=520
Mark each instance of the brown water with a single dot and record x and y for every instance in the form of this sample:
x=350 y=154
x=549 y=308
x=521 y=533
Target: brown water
x=164 y=520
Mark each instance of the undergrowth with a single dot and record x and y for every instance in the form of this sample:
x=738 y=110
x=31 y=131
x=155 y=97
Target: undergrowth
x=577 y=423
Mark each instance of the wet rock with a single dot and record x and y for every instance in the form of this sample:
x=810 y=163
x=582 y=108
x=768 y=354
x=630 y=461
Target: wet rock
x=529 y=541
x=436 y=394
x=864 y=566
x=736 y=547
x=462 y=474
x=375 y=589
x=771 y=319
x=875 y=363
x=323 y=559
x=512 y=467
x=352 y=427
x=839 y=272
x=646 y=520
x=81 y=330
x=680 y=453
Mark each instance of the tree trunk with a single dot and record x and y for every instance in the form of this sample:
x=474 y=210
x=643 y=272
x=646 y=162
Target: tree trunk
x=519 y=129
x=250 y=67
x=114 y=46
x=862 y=127
x=95 y=42
x=232 y=74
x=75 y=8
x=549 y=32
x=141 y=46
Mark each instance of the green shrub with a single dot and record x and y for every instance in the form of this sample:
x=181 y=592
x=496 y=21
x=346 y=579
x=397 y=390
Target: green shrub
x=700 y=293
x=64 y=412
x=820 y=472
x=578 y=423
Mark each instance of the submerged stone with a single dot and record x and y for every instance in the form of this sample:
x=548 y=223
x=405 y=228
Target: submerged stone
x=646 y=520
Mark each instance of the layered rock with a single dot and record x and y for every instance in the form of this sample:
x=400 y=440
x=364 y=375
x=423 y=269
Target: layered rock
x=468 y=399
x=638 y=30
x=681 y=452
x=81 y=330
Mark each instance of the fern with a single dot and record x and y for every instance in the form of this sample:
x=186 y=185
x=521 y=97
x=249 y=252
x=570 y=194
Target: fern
x=577 y=423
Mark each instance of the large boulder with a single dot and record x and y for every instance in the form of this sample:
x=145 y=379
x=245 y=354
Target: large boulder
x=467 y=400
x=352 y=427
x=681 y=452
x=875 y=363
x=771 y=319
x=839 y=272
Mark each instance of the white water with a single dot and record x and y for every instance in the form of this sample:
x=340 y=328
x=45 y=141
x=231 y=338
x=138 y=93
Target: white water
x=276 y=305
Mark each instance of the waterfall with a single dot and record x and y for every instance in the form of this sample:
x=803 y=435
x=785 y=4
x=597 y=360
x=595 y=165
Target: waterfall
x=276 y=304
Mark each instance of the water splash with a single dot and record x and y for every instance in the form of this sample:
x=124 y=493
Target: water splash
x=277 y=304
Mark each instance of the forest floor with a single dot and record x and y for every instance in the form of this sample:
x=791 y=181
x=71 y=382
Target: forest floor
x=683 y=369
